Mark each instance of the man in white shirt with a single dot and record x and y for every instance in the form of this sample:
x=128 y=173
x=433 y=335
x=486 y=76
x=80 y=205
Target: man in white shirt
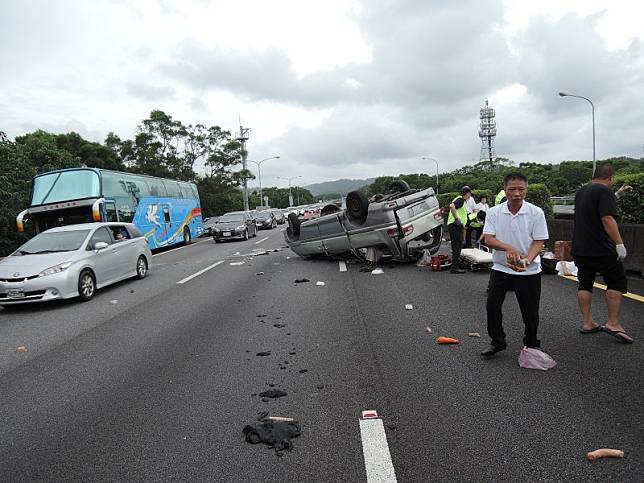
x=482 y=204
x=516 y=230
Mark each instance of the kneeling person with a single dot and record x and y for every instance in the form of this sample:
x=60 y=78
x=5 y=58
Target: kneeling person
x=515 y=230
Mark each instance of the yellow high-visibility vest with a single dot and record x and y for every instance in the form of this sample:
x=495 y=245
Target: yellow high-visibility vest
x=462 y=212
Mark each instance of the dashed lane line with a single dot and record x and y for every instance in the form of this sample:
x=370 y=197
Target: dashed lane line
x=342 y=265
x=181 y=248
x=209 y=267
x=377 y=459
x=628 y=295
x=262 y=240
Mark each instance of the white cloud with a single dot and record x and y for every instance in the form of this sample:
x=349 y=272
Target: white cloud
x=336 y=88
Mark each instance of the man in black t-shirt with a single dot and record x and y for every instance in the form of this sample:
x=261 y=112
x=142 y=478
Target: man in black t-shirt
x=597 y=247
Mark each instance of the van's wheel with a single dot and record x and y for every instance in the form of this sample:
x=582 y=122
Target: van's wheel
x=357 y=206
x=141 y=267
x=86 y=286
x=293 y=224
x=246 y=234
x=328 y=209
x=187 y=237
x=399 y=186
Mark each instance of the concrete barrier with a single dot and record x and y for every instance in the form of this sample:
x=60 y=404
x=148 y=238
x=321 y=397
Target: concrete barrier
x=632 y=234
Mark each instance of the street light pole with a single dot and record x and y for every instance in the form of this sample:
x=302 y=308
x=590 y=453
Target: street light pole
x=436 y=162
x=563 y=94
x=259 y=172
x=290 y=196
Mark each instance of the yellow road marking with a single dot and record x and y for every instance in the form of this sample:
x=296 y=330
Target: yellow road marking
x=628 y=295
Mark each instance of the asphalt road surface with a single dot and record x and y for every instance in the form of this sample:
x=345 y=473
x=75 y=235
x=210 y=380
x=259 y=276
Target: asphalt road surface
x=155 y=379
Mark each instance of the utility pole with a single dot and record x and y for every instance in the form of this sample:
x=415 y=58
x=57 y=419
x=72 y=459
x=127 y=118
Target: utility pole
x=242 y=137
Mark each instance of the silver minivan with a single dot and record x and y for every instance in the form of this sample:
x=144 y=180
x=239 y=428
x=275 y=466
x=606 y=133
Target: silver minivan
x=73 y=261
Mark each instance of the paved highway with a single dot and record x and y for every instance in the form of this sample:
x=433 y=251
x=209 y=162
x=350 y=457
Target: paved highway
x=155 y=379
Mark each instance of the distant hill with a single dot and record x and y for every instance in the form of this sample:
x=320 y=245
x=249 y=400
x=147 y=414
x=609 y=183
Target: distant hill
x=342 y=186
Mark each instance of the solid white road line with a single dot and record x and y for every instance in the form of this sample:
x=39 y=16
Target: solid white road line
x=262 y=240
x=187 y=279
x=343 y=266
x=377 y=460
x=181 y=248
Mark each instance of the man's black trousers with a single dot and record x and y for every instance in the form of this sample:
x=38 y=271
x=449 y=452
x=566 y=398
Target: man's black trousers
x=456 y=239
x=528 y=291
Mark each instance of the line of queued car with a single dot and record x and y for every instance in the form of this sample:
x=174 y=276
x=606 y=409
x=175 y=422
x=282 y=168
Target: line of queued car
x=242 y=225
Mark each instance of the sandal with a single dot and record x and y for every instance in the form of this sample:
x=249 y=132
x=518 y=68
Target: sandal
x=623 y=337
x=594 y=330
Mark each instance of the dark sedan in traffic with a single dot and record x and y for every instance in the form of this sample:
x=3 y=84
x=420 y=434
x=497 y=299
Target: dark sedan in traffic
x=238 y=224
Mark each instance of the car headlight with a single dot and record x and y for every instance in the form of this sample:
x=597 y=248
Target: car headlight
x=55 y=269
x=243 y=227
x=216 y=230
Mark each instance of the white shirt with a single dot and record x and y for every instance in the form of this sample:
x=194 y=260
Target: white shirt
x=520 y=230
x=481 y=207
x=470 y=204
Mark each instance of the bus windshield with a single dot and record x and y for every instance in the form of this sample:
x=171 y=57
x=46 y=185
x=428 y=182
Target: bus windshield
x=64 y=186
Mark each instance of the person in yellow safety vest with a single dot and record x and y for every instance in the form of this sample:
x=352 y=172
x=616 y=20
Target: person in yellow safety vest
x=475 y=223
x=455 y=223
x=500 y=198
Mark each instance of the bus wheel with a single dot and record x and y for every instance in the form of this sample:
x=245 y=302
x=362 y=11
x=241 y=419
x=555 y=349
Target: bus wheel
x=186 y=236
x=86 y=285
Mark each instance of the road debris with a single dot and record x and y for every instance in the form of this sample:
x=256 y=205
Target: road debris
x=236 y=264
x=22 y=348
x=273 y=393
x=447 y=340
x=604 y=453
x=409 y=307
x=377 y=271
x=428 y=329
x=259 y=273
x=301 y=280
x=473 y=334
x=320 y=284
x=114 y=302
x=277 y=434
x=279 y=326
x=532 y=358
x=263 y=354
x=302 y=371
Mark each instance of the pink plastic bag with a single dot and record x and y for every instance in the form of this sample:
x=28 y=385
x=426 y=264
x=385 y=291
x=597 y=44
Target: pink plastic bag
x=530 y=358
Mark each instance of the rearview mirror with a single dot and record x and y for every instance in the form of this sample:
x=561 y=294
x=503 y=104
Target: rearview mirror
x=100 y=245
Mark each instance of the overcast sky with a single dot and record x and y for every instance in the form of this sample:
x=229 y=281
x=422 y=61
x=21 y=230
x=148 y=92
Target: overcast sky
x=337 y=88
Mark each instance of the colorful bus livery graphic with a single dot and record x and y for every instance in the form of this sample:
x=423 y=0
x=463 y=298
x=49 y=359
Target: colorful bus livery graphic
x=167 y=211
x=164 y=220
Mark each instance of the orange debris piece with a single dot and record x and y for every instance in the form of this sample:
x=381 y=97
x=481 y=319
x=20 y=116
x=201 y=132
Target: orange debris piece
x=447 y=340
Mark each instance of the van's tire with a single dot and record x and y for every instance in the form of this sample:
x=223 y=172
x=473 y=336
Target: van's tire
x=187 y=237
x=357 y=206
x=328 y=209
x=86 y=285
x=293 y=224
x=141 y=267
x=399 y=186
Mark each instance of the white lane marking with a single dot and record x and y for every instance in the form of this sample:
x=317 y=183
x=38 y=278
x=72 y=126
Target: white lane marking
x=377 y=460
x=262 y=240
x=187 y=279
x=180 y=248
x=343 y=266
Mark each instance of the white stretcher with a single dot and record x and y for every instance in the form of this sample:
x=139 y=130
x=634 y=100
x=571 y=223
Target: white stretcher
x=476 y=258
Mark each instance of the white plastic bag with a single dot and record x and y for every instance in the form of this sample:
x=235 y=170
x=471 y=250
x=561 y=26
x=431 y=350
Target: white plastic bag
x=567 y=268
x=530 y=358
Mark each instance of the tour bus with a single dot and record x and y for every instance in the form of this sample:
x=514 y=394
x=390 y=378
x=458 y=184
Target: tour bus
x=166 y=210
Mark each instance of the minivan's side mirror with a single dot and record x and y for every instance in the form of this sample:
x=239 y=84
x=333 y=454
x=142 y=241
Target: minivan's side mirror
x=100 y=245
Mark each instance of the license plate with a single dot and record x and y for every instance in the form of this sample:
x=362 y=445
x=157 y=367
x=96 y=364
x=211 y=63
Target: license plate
x=16 y=293
x=226 y=233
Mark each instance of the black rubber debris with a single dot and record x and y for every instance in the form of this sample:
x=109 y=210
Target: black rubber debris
x=301 y=280
x=279 y=326
x=320 y=387
x=262 y=315
x=263 y=354
x=302 y=371
x=273 y=393
x=292 y=353
x=276 y=434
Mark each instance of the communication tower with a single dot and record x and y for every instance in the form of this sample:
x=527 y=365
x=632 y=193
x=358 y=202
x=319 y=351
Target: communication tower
x=242 y=136
x=487 y=132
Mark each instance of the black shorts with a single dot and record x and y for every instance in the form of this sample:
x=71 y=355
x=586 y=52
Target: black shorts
x=609 y=267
